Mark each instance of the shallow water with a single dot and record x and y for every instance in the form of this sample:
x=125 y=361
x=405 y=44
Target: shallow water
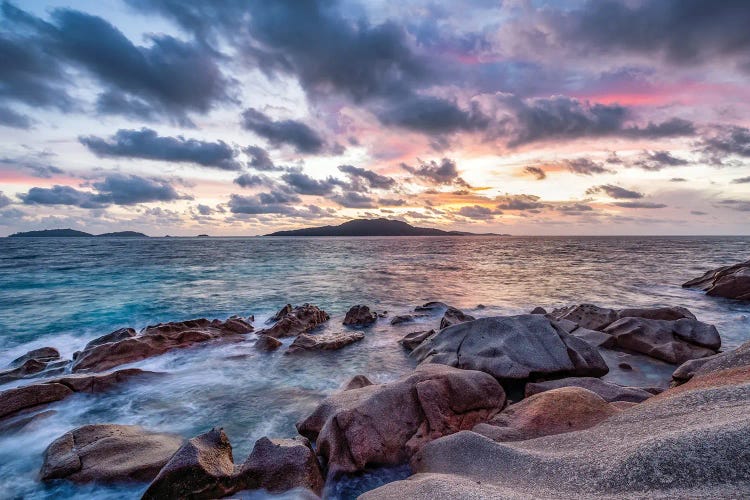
x=64 y=292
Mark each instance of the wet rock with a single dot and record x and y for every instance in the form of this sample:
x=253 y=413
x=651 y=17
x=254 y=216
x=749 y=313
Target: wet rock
x=538 y=310
x=672 y=313
x=512 y=348
x=267 y=343
x=360 y=316
x=732 y=282
x=102 y=382
x=287 y=309
x=20 y=398
x=606 y=390
x=432 y=307
x=722 y=361
x=586 y=315
x=41 y=355
x=28 y=368
x=624 y=366
x=278 y=465
x=411 y=340
x=385 y=424
x=406 y=318
x=324 y=342
x=688 y=442
x=297 y=321
x=116 y=336
x=156 y=340
x=108 y=453
x=24 y=420
x=202 y=468
x=356 y=382
x=454 y=316
x=556 y=411
x=671 y=341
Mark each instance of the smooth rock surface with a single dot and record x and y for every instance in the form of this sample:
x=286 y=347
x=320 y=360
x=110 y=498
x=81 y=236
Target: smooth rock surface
x=360 y=315
x=411 y=340
x=296 y=321
x=108 y=453
x=607 y=391
x=356 y=382
x=385 y=424
x=42 y=355
x=454 y=316
x=20 y=398
x=324 y=342
x=278 y=465
x=722 y=361
x=732 y=282
x=512 y=348
x=406 y=318
x=555 y=411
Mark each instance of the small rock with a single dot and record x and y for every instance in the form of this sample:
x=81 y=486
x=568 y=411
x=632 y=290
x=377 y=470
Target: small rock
x=356 y=382
x=323 y=342
x=41 y=355
x=297 y=321
x=267 y=343
x=624 y=366
x=454 y=316
x=360 y=316
x=406 y=318
x=411 y=340
x=538 y=310
x=432 y=306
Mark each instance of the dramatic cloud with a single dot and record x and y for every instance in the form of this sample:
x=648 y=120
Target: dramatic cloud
x=147 y=144
x=114 y=189
x=432 y=172
x=352 y=199
x=477 y=212
x=727 y=141
x=432 y=115
x=614 y=192
x=519 y=202
x=10 y=118
x=304 y=184
x=658 y=160
x=536 y=172
x=373 y=179
x=638 y=204
x=586 y=166
x=574 y=208
x=252 y=180
x=259 y=159
x=281 y=132
x=4 y=200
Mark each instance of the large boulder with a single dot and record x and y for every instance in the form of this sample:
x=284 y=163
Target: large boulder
x=722 y=361
x=687 y=442
x=608 y=391
x=296 y=321
x=512 y=348
x=385 y=424
x=323 y=342
x=410 y=341
x=116 y=336
x=360 y=316
x=42 y=355
x=454 y=316
x=732 y=282
x=35 y=363
x=671 y=341
x=267 y=343
x=108 y=453
x=586 y=315
x=202 y=468
x=156 y=340
x=406 y=318
x=565 y=409
x=278 y=465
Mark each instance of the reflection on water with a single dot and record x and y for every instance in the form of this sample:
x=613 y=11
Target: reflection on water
x=62 y=293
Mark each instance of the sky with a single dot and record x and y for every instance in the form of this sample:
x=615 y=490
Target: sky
x=241 y=117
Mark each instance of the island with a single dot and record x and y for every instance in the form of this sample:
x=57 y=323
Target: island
x=203 y=236
x=375 y=227
x=72 y=233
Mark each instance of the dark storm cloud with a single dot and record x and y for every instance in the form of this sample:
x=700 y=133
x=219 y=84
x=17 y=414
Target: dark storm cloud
x=302 y=183
x=432 y=115
x=586 y=166
x=561 y=117
x=658 y=160
x=352 y=199
x=683 y=31
x=373 y=179
x=638 y=204
x=147 y=144
x=614 y=191
x=169 y=76
x=10 y=118
x=519 y=202
x=260 y=159
x=114 y=189
x=536 y=172
x=283 y=132
x=741 y=180
x=433 y=172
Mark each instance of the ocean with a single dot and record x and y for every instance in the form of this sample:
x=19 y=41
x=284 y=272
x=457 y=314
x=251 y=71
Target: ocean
x=65 y=292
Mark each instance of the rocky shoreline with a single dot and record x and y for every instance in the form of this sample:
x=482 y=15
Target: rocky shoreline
x=502 y=406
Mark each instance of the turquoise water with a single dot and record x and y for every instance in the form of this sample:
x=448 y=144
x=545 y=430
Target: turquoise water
x=64 y=292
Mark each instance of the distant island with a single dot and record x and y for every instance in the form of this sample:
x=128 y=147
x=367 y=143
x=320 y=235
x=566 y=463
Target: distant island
x=375 y=227
x=72 y=233
x=204 y=236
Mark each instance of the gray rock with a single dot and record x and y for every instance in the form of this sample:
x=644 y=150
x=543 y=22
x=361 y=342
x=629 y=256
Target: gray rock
x=671 y=341
x=278 y=465
x=411 y=340
x=432 y=307
x=586 y=315
x=324 y=341
x=732 y=282
x=671 y=313
x=108 y=453
x=538 y=310
x=360 y=316
x=356 y=382
x=688 y=442
x=202 y=468
x=386 y=423
x=454 y=316
x=406 y=318
x=607 y=391
x=296 y=321
x=512 y=348
x=731 y=359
